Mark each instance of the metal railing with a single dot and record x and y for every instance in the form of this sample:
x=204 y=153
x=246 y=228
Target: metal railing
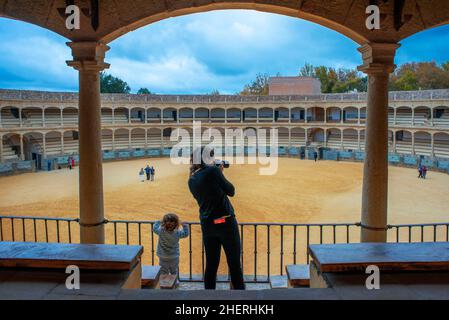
x=266 y=247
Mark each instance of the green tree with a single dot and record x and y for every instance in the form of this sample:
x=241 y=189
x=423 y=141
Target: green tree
x=307 y=70
x=111 y=84
x=257 y=87
x=143 y=91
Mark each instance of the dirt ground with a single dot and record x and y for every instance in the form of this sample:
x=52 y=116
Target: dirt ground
x=300 y=192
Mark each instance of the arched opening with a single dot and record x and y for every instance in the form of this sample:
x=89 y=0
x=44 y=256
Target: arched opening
x=281 y=115
x=106 y=116
x=404 y=115
x=333 y=138
x=137 y=115
x=298 y=137
x=404 y=142
x=266 y=115
x=10 y=117
x=350 y=139
x=218 y=115
x=441 y=116
x=138 y=138
x=154 y=115
x=298 y=114
x=71 y=142
x=53 y=143
x=166 y=134
x=234 y=115
x=154 y=138
x=121 y=115
x=315 y=114
x=422 y=116
x=11 y=147
x=249 y=115
x=316 y=136
x=350 y=115
x=391 y=147
x=363 y=115
x=391 y=116
x=202 y=114
x=52 y=117
x=423 y=143
x=186 y=115
x=283 y=137
x=32 y=117
x=170 y=115
x=106 y=140
x=70 y=117
x=33 y=147
x=121 y=139
x=441 y=144
x=333 y=114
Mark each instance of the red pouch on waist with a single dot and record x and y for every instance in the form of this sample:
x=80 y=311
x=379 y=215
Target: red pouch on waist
x=219 y=221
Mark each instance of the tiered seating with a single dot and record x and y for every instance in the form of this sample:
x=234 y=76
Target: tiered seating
x=283 y=138
x=350 y=140
x=106 y=141
x=404 y=146
x=120 y=117
x=53 y=146
x=9 y=121
x=9 y=154
x=70 y=118
x=121 y=141
x=138 y=139
x=32 y=118
x=71 y=146
x=421 y=118
x=441 y=148
x=333 y=140
x=443 y=121
x=106 y=118
x=52 y=118
x=298 y=138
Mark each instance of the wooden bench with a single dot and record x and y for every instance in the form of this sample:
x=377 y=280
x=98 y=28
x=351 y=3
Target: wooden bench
x=150 y=276
x=118 y=263
x=298 y=275
x=278 y=282
x=408 y=262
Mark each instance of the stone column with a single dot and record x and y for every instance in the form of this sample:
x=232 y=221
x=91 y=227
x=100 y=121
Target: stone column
x=61 y=116
x=359 y=121
x=432 y=144
x=394 y=141
x=413 y=143
x=44 y=146
x=62 y=143
x=43 y=118
x=378 y=63
x=22 y=156
x=358 y=140
x=113 y=140
x=1 y=148
x=88 y=59
x=413 y=115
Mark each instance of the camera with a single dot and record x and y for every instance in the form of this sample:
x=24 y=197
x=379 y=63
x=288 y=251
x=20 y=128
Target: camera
x=220 y=162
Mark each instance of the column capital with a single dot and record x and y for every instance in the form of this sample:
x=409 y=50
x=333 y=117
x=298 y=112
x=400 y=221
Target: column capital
x=88 y=56
x=378 y=57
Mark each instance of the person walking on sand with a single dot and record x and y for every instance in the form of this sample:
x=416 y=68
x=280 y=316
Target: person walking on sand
x=169 y=230
x=420 y=171
x=315 y=156
x=142 y=175
x=69 y=163
x=148 y=171
x=152 y=173
x=424 y=172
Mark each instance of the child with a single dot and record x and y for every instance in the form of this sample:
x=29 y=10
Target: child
x=142 y=175
x=169 y=231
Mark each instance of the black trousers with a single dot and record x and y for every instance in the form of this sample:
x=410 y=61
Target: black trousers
x=215 y=236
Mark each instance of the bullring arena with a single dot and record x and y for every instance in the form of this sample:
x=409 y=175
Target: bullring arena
x=304 y=202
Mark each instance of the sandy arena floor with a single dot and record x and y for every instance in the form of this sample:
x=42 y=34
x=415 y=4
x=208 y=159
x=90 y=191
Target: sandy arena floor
x=301 y=192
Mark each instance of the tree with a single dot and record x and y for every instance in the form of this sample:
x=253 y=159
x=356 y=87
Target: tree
x=258 y=87
x=420 y=76
x=111 y=84
x=143 y=91
x=307 y=70
x=215 y=93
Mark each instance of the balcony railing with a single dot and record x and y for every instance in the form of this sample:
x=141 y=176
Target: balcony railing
x=266 y=247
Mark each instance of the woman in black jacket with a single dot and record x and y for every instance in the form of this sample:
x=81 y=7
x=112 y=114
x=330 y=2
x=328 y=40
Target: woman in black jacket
x=218 y=224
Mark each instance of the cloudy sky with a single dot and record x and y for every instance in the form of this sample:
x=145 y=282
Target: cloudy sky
x=198 y=53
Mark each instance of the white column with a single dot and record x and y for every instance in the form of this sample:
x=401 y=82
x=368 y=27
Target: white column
x=359 y=115
x=129 y=116
x=395 y=114
x=325 y=137
x=432 y=145
x=394 y=141
x=1 y=148
x=61 y=115
x=88 y=59
x=306 y=135
x=44 y=146
x=378 y=63
x=413 y=116
x=358 y=140
x=22 y=156
x=413 y=143
x=289 y=138
x=113 y=116
x=113 y=140
x=62 y=143
x=43 y=118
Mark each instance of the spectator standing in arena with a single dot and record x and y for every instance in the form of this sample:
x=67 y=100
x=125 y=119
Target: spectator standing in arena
x=69 y=163
x=315 y=156
x=142 y=175
x=420 y=171
x=218 y=223
x=148 y=171
x=169 y=230
x=152 y=173
x=73 y=162
x=424 y=172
